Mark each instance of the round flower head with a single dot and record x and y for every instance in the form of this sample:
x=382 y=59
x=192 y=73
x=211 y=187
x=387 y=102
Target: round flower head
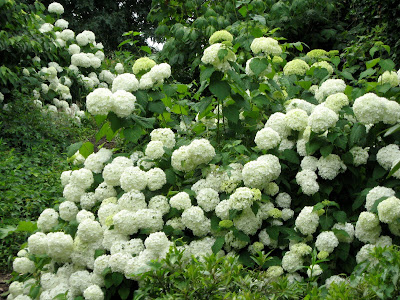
x=267 y=138
x=322 y=118
x=112 y=172
x=296 y=119
x=82 y=178
x=268 y=46
x=360 y=155
x=60 y=246
x=247 y=222
x=47 y=220
x=99 y=102
x=367 y=227
x=314 y=270
x=220 y=36
x=348 y=228
x=323 y=64
x=387 y=155
x=326 y=241
x=336 y=101
x=291 y=262
x=56 y=8
x=126 y=82
x=369 y=108
x=296 y=67
x=207 y=199
x=123 y=103
x=155 y=149
x=317 y=53
x=37 y=243
x=210 y=56
x=299 y=103
x=159 y=203
x=241 y=199
x=277 y=122
x=330 y=87
x=157 y=242
x=389 y=210
x=307 y=221
x=283 y=200
x=156 y=179
x=119 y=68
x=93 y=292
x=68 y=210
x=377 y=193
x=330 y=166
x=89 y=231
x=164 y=135
x=143 y=64
x=181 y=201
x=133 y=178
x=23 y=265
x=309 y=163
x=132 y=201
x=389 y=77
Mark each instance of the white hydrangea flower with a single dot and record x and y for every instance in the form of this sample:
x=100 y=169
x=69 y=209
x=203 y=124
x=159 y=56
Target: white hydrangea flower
x=376 y=193
x=133 y=178
x=314 y=270
x=210 y=56
x=335 y=279
x=389 y=77
x=114 y=171
x=222 y=209
x=369 y=108
x=277 y=122
x=241 y=199
x=149 y=219
x=93 y=292
x=107 y=76
x=292 y=262
x=83 y=215
x=307 y=221
x=46 y=27
x=123 y=103
x=268 y=46
x=309 y=163
x=389 y=210
x=258 y=173
x=387 y=155
x=82 y=178
x=296 y=119
x=364 y=253
x=283 y=200
x=63 y=24
x=119 y=68
x=336 y=101
x=99 y=102
x=367 y=227
x=360 y=155
x=181 y=201
x=23 y=265
x=47 y=220
x=68 y=210
x=330 y=166
x=157 y=242
x=89 y=231
x=299 y=104
x=156 y=179
x=126 y=82
x=326 y=241
x=330 y=87
x=322 y=118
x=207 y=199
x=247 y=222
x=159 y=203
x=56 y=8
x=60 y=246
x=104 y=191
x=125 y=222
x=65 y=177
x=307 y=179
x=88 y=200
x=267 y=138
x=155 y=149
x=37 y=243
x=296 y=67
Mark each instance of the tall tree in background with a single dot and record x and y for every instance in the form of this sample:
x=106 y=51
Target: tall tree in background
x=107 y=19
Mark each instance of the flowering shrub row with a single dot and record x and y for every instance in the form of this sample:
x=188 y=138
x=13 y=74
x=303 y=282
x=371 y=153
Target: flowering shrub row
x=276 y=155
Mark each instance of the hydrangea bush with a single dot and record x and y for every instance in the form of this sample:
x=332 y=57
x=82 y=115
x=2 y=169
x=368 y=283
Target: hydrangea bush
x=290 y=156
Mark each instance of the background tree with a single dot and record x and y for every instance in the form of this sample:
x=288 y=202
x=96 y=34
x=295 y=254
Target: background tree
x=107 y=19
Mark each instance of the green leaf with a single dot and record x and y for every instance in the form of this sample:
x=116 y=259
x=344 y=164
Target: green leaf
x=372 y=63
x=124 y=291
x=240 y=235
x=273 y=232
x=117 y=278
x=71 y=150
x=343 y=250
x=146 y=49
x=86 y=149
x=383 y=88
x=218 y=244
x=132 y=134
x=374 y=207
x=335 y=60
x=144 y=122
x=222 y=53
x=358 y=132
x=340 y=216
x=26 y=226
x=373 y=50
x=326 y=150
x=103 y=131
x=34 y=291
x=366 y=73
x=204 y=104
x=258 y=65
x=326 y=222
x=304 y=84
x=394 y=170
x=313 y=146
x=206 y=73
x=340 y=233
x=318 y=206
x=347 y=75
x=243 y=11
x=387 y=64
x=221 y=89
x=157 y=107
x=291 y=156
x=115 y=121
x=171 y=176
x=360 y=199
x=260 y=100
x=231 y=113
x=378 y=172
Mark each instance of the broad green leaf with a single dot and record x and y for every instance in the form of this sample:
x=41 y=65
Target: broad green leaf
x=258 y=65
x=394 y=169
x=326 y=150
x=146 y=49
x=318 y=206
x=222 y=53
x=115 y=121
x=243 y=11
x=392 y=130
x=383 y=88
x=378 y=172
x=144 y=122
x=304 y=84
x=373 y=50
x=103 y=131
x=206 y=73
x=86 y=149
x=343 y=250
x=132 y=134
x=387 y=64
x=273 y=232
x=372 y=62
x=360 y=200
x=124 y=291
x=221 y=89
x=117 y=278
x=231 y=113
x=218 y=244
x=157 y=107
x=71 y=150
x=241 y=235
x=326 y=222
x=291 y=156
x=260 y=100
x=340 y=216
x=335 y=60
x=366 y=73
x=358 y=133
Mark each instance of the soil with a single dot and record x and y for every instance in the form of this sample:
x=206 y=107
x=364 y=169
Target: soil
x=3 y=284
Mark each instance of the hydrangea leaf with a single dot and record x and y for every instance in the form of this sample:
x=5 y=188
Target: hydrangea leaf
x=340 y=216
x=86 y=149
x=258 y=65
x=218 y=244
x=71 y=150
x=221 y=89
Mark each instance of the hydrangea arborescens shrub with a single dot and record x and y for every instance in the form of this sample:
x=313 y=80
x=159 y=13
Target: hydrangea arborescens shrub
x=295 y=158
